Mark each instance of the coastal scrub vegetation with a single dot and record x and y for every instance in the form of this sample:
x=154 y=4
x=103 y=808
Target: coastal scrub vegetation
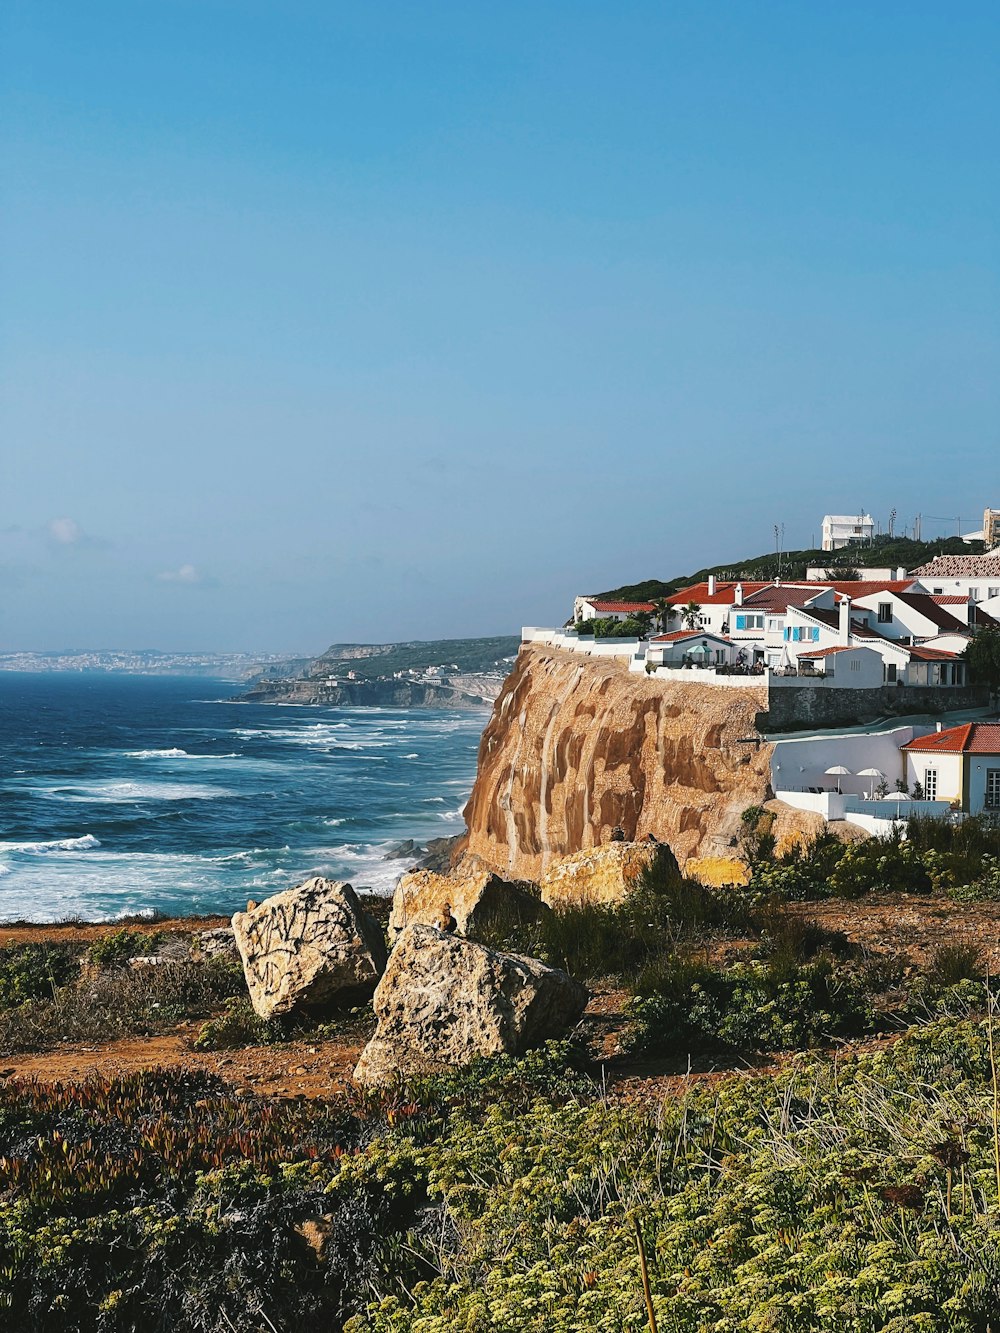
x=857 y=1193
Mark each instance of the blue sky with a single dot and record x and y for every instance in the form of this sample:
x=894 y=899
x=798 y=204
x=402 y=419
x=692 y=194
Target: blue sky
x=326 y=322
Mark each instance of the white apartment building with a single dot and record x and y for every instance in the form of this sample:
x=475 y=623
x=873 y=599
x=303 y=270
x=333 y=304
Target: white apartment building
x=840 y=530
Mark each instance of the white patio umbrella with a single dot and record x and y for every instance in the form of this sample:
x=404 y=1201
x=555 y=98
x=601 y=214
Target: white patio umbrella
x=839 y=771
x=872 y=773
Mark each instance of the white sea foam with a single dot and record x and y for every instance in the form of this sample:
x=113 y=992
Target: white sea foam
x=82 y=844
x=110 y=790
x=157 y=754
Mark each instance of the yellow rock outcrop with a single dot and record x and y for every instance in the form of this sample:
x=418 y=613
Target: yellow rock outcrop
x=598 y=875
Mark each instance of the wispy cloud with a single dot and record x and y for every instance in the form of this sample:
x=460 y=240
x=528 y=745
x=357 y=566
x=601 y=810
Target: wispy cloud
x=65 y=531
x=186 y=574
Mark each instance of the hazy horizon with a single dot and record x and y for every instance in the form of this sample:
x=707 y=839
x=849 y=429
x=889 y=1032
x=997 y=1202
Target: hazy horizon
x=334 y=324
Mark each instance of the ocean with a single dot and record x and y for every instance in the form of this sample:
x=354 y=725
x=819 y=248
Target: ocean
x=126 y=795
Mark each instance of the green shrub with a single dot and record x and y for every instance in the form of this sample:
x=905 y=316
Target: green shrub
x=35 y=970
x=119 y=946
x=239 y=1025
x=761 y=1005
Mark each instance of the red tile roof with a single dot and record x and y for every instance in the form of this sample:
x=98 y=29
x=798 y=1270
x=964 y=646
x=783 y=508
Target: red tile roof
x=689 y=634
x=723 y=595
x=868 y=587
x=628 y=608
x=923 y=654
x=780 y=597
x=969 y=738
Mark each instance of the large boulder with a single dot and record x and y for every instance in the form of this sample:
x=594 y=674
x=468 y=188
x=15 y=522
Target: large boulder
x=475 y=895
x=444 y=1000
x=308 y=947
x=605 y=874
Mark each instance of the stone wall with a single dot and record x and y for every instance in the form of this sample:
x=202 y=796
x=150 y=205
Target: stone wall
x=826 y=706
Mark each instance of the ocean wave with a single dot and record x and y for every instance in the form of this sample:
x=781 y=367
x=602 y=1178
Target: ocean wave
x=157 y=754
x=113 y=791
x=82 y=844
x=335 y=823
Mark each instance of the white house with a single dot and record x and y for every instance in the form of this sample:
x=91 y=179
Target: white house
x=840 y=530
x=690 y=648
x=601 y=608
x=973 y=576
x=856 y=668
x=914 y=616
x=961 y=764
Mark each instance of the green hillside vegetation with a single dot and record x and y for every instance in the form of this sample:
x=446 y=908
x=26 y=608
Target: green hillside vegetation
x=840 y=1191
x=372 y=660
x=883 y=552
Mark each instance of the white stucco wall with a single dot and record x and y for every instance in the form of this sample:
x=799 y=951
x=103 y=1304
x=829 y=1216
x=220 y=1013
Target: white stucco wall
x=947 y=766
x=802 y=761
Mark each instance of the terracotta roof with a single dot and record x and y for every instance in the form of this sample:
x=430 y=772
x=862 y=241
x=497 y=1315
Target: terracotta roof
x=923 y=654
x=778 y=597
x=868 y=587
x=723 y=595
x=962 y=566
x=969 y=738
x=679 y=634
x=629 y=608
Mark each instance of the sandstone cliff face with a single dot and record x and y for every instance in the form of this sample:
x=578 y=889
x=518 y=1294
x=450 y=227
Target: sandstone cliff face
x=577 y=745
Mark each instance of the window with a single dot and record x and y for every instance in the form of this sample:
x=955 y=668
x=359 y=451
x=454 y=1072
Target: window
x=885 y=613
x=993 y=592
x=993 y=788
x=855 y=666
x=749 y=622
x=890 y=673
x=930 y=784
x=938 y=591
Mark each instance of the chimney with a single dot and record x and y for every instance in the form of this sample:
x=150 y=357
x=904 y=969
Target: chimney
x=738 y=595
x=711 y=585
x=939 y=726
x=900 y=574
x=844 y=637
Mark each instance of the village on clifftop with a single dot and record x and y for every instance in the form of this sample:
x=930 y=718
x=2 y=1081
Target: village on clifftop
x=869 y=705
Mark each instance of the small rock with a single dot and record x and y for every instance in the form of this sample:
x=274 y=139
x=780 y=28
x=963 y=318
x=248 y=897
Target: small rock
x=473 y=901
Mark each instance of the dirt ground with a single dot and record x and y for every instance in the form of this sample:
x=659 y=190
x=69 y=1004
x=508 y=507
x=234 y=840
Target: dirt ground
x=898 y=923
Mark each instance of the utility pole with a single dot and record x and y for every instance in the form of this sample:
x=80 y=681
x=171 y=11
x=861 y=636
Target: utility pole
x=916 y=528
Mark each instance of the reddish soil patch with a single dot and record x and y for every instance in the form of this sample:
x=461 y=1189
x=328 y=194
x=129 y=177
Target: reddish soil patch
x=896 y=923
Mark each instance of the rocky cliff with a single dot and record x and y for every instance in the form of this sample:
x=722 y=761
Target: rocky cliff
x=577 y=746
x=467 y=694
